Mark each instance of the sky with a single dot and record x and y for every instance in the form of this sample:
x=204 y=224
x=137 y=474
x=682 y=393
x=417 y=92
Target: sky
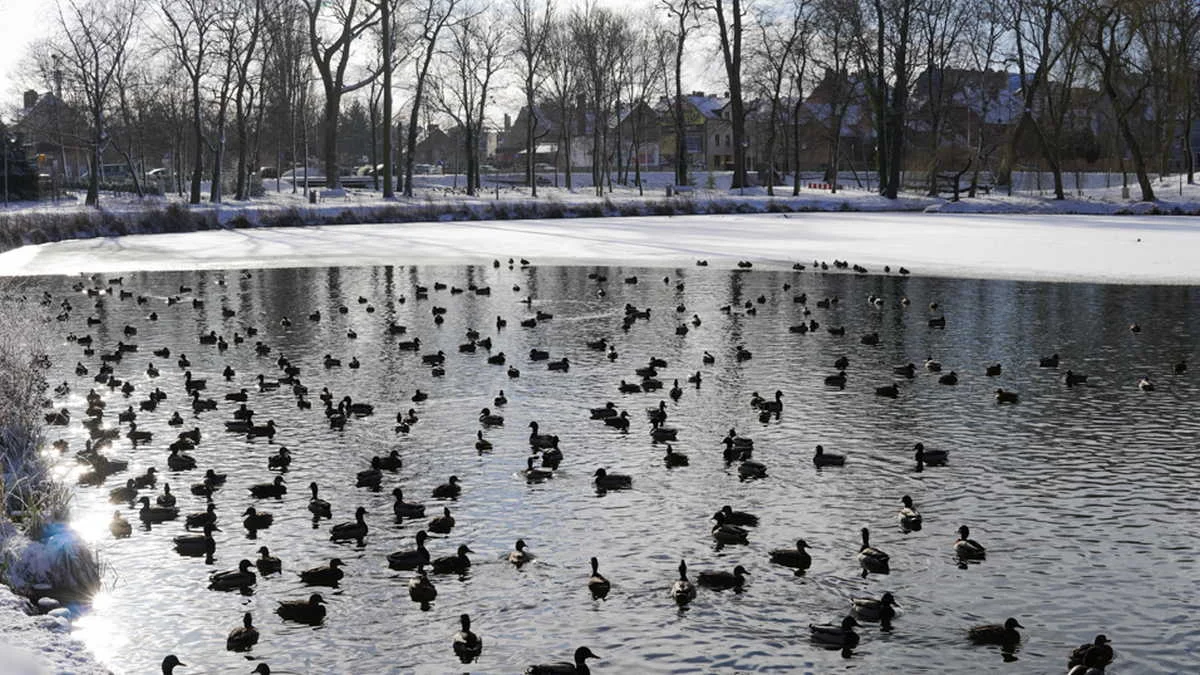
x=21 y=21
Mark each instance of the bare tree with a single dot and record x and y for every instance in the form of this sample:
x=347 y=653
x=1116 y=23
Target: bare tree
x=530 y=22
x=597 y=35
x=940 y=28
x=782 y=32
x=190 y=25
x=729 y=30
x=94 y=38
x=243 y=36
x=433 y=16
x=982 y=40
x=348 y=19
x=683 y=17
x=563 y=80
x=840 y=28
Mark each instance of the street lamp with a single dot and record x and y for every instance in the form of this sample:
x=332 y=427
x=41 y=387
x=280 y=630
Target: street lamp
x=7 y=141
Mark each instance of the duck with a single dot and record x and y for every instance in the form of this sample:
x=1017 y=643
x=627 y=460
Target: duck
x=993 y=370
x=520 y=555
x=888 y=390
x=467 y=645
x=772 y=406
x=458 y=563
x=725 y=532
x=909 y=517
x=500 y=399
x=822 y=458
x=177 y=461
x=448 y=490
x=411 y=559
x=156 y=514
x=244 y=637
x=136 y=435
x=357 y=529
x=541 y=441
x=256 y=520
x=1092 y=657
x=682 y=591
x=611 y=481
x=391 y=461
x=404 y=509
x=872 y=609
x=119 y=527
x=489 y=419
x=232 y=580
x=605 y=412
x=629 y=387
x=841 y=635
x=597 y=584
x=949 y=379
x=421 y=589
x=967 y=548
x=201 y=518
x=267 y=563
x=262 y=430
x=750 y=470
x=281 y=460
x=1072 y=378
x=1049 y=361
x=310 y=611
x=660 y=433
x=125 y=493
x=723 y=580
x=838 y=379
x=1180 y=367
x=370 y=478
x=324 y=575
x=620 y=421
x=732 y=517
x=929 y=457
x=797 y=558
x=170 y=662
x=932 y=366
x=1006 y=396
x=1145 y=384
x=196 y=545
x=535 y=475
x=578 y=667
x=676 y=392
x=442 y=524
x=870 y=558
x=276 y=488
x=674 y=459
x=995 y=634
x=908 y=370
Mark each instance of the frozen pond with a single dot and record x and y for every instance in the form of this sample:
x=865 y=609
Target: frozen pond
x=1082 y=495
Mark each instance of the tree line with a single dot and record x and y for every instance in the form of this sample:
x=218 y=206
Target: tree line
x=219 y=85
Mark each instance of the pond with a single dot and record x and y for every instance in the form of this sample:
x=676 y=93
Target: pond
x=1082 y=495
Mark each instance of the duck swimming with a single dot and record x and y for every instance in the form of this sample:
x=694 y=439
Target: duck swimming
x=448 y=490
x=597 y=584
x=611 y=481
x=318 y=507
x=275 y=489
x=673 y=459
x=119 y=527
x=994 y=634
x=1092 y=657
x=421 y=589
x=822 y=458
x=156 y=514
x=267 y=563
x=722 y=580
x=909 y=517
x=967 y=548
x=196 y=545
x=797 y=558
x=520 y=555
x=411 y=559
x=310 y=611
x=324 y=575
x=404 y=509
x=442 y=524
x=578 y=667
x=350 y=530
x=841 y=635
x=467 y=645
x=870 y=558
x=872 y=609
x=458 y=563
x=244 y=637
x=930 y=457
x=682 y=590
x=541 y=441
x=535 y=475
x=256 y=520
x=233 y=580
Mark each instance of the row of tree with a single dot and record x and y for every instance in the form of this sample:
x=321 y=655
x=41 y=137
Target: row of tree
x=223 y=83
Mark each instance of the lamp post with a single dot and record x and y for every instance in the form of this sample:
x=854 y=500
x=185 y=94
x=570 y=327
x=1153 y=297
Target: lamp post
x=6 y=146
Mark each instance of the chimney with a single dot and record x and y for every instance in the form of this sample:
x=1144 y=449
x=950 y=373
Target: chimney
x=507 y=122
x=31 y=98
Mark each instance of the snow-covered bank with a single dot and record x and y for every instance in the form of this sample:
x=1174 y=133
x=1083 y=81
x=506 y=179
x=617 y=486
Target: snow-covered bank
x=1122 y=249
x=39 y=644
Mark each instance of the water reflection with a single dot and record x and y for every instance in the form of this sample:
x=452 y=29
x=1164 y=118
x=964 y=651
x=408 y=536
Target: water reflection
x=1076 y=491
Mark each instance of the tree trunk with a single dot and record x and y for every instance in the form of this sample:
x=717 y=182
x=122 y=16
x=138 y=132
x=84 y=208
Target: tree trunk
x=198 y=139
x=332 y=104
x=385 y=17
x=530 y=141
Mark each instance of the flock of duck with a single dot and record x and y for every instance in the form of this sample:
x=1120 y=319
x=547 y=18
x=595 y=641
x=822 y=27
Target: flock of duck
x=118 y=392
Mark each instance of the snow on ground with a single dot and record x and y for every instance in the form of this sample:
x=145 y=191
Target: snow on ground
x=1128 y=249
x=39 y=645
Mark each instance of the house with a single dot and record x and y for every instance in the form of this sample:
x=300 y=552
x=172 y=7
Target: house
x=56 y=135
x=708 y=132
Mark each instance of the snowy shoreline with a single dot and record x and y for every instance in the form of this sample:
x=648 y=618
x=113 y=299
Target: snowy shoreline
x=1098 y=248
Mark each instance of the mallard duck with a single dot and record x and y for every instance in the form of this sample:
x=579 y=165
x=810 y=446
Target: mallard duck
x=357 y=529
x=500 y=399
x=1093 y=656
x=119 y=527
x=520 y=555
x=199 y=519
x=841 y=635
x=909 y=517
x=324 y=575
x=995 y=634
x=597 y=584
x=731 y=517
x=467 y=645
x=1072 y=378
x=676 y=392
x=673 y=458
x=1006 y=396
x=481 y=443
x=233 y=580
x=966 y=547
x=421 y=589
x=722 y=580
x=750 y=469
x=458 y=563
x=836 y=380
x=579 y=667
x=727 y=533
x=1145 y=384
x=993 y=370
x=949 y=379
x=410 y=559
x=822 y=458
x=267 y=563
x=448 y=490
x=620 y=421
x=244 y=637
x=932 y=366
x=682 y=590
x=930 y=457
x=177 y=461
x=256 y=520
x=872 y=609
x=317 y=506
x=541 y=441
x=310 y=611
x=196 y=545
x=442 y=524
x=275 y=489
x=169 y=663
x=391 y=461
x=611 y=481
x=1049 y=361
x=660 y=433
x=125 y=493
x=797 y=558
x=404 y=509
x=156 y=514
x=908 y=370
x=370 y=478
x=535 y=475
x=888 y=390
x=489 y=419
x=871 y=558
